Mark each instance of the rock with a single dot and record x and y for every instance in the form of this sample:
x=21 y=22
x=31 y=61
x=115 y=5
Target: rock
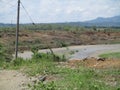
x=101 y=59
x=85 y=59
x=42 y=78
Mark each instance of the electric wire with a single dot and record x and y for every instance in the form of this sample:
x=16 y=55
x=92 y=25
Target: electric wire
x=7 y=4
x=13 y=10
x=9 y=10
x=27 y=13
x=12 y=6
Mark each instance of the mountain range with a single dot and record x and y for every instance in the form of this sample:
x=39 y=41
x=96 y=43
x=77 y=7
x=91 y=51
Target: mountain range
x=99 y=22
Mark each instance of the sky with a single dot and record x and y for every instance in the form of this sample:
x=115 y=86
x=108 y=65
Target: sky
x=51 y=11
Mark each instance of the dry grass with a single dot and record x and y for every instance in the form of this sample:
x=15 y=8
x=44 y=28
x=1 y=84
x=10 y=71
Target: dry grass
x=55 y=38
x=93 y=63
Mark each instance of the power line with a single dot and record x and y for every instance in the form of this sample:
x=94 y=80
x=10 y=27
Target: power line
x=8 y=4
x=27 y=13
x=10 y=13
x=9 y=7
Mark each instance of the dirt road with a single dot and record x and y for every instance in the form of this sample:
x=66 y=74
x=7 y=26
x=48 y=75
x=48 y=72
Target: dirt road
x=13 y=80
x=80 y=52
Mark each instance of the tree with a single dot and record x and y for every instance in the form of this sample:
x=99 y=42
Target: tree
x=94 y=28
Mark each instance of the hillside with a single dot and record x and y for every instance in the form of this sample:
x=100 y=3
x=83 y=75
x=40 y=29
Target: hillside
x=99 y=22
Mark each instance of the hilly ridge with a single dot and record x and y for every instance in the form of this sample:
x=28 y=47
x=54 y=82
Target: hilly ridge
x=99 y=22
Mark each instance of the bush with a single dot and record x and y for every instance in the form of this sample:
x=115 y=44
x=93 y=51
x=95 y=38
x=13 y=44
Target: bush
x=18 y=62
x=34 y=50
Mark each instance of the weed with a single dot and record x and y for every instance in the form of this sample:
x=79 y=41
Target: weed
x=80 y=78
x=47 y=86
x=111 y=55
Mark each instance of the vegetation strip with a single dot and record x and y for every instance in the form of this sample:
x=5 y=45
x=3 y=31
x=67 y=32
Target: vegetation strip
x=111 y=55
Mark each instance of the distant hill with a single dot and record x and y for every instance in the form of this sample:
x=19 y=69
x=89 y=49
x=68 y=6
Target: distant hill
x=115 y=19
x=6 y=25
x=99 y=22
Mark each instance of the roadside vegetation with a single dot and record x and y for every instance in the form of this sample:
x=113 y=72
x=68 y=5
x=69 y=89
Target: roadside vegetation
x=54 y=72
x=61 y=75
x=5 y=55
x=53 y=35
x=111 y=55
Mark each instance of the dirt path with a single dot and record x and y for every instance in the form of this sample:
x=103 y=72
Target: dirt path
x=95 y=51
x=82 y=51
x=13 y=80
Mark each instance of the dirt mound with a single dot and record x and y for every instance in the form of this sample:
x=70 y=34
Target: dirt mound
x=96 y=63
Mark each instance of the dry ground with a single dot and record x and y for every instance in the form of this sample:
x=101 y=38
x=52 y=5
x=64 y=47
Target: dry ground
x=94 y=63
x=58 y=38
x=13 y=80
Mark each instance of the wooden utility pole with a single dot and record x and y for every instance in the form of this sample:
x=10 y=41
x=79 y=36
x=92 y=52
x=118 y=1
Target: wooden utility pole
x=17 y=30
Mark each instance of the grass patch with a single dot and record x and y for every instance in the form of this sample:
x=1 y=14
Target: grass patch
x=110 y=55
x=80 y=78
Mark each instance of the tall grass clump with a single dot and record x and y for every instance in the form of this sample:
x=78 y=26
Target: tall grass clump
x=4 y=55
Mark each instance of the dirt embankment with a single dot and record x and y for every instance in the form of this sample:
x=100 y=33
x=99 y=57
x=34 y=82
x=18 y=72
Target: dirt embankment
x=95 y=63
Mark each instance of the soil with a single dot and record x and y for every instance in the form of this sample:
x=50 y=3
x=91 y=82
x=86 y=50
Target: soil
x=58 y=38
x=94 y=63
x=13 y=80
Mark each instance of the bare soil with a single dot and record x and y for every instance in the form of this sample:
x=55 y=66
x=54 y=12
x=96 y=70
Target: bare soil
x=58 y=38
x=13 y=80
x=94 y=63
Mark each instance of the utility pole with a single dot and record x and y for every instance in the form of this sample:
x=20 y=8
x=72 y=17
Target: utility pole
x=17 y=30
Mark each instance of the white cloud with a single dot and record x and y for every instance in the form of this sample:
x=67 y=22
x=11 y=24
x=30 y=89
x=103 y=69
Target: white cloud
x=61 y=10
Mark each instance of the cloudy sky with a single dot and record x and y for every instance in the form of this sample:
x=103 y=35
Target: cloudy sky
x=45 y=11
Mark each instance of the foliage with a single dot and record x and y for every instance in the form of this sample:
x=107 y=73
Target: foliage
x=80 y=78
x=34 y=50
x=111 y=55
x=18 y=62
x=42 y=86
x=94 y=28
x=2 y=55
x=5 y=56
x=1 y=51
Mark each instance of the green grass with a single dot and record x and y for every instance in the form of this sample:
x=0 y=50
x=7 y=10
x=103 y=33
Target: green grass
x=111 y=55
x=65 y=78
x=80 y=79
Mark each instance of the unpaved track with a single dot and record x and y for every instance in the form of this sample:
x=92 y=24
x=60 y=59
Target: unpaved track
x=94 y=51
x=83 y=51
x=13 y=80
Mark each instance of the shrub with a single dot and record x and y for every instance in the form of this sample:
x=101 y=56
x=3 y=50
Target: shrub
x=34 y=50
x=18 y=62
